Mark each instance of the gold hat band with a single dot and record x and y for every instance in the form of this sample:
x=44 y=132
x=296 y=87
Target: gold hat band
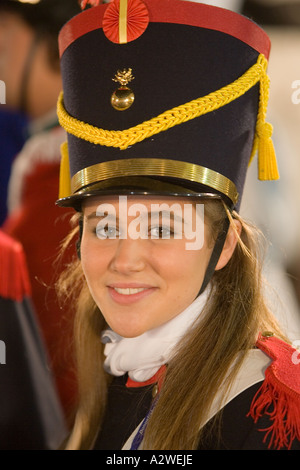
x=154 y=167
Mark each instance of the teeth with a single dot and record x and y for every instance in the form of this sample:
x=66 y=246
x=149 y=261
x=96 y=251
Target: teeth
x=129 y=290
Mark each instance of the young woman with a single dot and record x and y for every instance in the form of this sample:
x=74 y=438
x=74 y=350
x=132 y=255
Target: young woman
x=176 y=348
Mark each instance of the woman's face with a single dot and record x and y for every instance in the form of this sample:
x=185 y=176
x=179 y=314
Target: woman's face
x=141 y=271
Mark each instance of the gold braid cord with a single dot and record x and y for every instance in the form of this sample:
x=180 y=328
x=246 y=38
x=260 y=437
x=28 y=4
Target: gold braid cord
x=168 y=119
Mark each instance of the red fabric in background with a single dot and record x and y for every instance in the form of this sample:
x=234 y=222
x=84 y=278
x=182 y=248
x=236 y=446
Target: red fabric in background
x=41 y=226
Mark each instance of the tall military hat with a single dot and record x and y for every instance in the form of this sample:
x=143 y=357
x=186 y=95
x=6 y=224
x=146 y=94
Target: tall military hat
x=162 y=96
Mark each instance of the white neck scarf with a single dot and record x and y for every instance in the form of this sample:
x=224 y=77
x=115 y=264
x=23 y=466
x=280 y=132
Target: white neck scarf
x=143 y=355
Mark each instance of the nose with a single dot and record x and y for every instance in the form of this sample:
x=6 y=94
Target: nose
x=130 y=256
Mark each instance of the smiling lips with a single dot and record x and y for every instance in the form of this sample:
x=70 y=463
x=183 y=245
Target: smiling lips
x=129 y=290
x=126 y=294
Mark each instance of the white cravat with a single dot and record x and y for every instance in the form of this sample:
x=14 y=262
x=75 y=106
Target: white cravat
x=143 y=355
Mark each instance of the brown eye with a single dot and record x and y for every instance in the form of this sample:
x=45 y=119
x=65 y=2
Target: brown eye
x=163 y=232
x=104 y=231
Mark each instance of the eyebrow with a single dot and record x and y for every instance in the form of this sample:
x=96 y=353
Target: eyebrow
x=93 y=215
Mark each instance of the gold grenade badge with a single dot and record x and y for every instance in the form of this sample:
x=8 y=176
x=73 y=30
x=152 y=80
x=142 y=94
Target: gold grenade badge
x=123 y=97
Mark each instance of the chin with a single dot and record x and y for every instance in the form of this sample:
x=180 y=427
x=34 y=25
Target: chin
x=128 y=332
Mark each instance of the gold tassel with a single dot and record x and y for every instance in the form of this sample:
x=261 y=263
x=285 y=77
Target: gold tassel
x=64 y=176
x=267 y=165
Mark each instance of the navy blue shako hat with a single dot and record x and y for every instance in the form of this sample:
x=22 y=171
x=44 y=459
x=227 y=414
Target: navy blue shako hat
x=165 y=97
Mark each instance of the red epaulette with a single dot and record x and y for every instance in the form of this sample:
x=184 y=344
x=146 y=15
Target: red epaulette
x=14 y=279
x=279 y=396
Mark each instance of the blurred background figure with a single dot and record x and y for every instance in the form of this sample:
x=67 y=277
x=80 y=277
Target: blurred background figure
x=273 y=12
x=29 y=66
x=31 y=416
x=234 y=5
x=13 y=132
x=281 y=203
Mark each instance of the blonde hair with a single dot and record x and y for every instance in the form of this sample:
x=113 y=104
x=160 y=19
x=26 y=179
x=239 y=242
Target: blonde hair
x=234 y=314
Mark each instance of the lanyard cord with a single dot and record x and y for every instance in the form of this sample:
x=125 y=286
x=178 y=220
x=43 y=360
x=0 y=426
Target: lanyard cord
x=141 y=431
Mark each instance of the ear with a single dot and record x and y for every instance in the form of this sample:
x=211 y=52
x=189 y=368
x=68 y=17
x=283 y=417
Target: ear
x=230 y=244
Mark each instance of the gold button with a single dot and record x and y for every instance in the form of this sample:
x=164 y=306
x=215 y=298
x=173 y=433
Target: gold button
x=267 y=334
x=155 y=391
x=122 y=98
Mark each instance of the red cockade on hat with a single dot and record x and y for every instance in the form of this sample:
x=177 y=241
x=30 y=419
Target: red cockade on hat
x=125 y=22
